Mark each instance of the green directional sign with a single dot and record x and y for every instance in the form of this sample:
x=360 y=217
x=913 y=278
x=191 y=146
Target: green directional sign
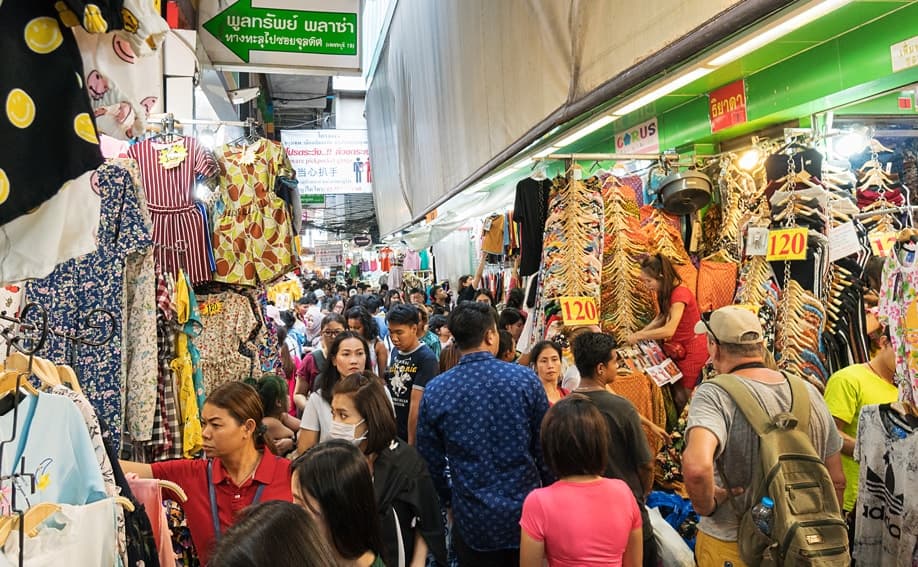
x=312 y=199
x=243 y=28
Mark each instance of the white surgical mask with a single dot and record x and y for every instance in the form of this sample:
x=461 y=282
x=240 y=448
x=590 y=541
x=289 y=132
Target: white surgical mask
x=346 y=431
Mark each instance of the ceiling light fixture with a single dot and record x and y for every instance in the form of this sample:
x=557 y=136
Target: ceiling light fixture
x=768 y=35
x=587 y=130
x=662 y=91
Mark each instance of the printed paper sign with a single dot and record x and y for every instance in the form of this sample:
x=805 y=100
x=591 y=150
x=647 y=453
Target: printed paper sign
x=579 y=311
x=843 y=241
x=329 y=162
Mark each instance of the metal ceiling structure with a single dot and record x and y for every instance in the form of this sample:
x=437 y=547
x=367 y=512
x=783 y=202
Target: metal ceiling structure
x=301 y=102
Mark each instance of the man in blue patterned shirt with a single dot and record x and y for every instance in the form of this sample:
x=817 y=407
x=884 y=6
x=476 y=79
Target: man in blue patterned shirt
x=483 y=418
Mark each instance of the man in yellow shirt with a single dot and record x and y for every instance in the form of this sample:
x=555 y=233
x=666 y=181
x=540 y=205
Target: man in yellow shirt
x=852 y=388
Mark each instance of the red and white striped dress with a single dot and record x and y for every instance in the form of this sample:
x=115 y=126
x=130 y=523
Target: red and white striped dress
x=177 y=223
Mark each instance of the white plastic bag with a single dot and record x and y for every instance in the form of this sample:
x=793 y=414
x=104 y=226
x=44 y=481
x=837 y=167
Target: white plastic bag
x=671 y=548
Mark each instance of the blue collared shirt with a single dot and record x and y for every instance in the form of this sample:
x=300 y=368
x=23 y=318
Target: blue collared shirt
x=483 y=418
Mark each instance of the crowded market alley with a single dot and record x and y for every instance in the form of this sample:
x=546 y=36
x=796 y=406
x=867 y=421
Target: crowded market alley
x=459 y=283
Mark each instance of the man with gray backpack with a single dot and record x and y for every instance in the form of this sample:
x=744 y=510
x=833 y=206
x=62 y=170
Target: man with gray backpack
x=762 y=460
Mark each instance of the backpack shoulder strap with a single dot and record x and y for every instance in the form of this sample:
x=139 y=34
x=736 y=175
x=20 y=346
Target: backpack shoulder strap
x=745 y=401
x=800 y=402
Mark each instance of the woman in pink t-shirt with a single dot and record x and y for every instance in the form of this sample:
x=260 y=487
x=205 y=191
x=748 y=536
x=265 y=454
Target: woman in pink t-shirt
x=583 y=519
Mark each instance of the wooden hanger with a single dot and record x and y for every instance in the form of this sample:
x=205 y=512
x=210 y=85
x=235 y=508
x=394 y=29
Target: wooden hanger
x=174 y=489
x=13 y=379
x=43 y=369
x=69 y=378
x=125 y=503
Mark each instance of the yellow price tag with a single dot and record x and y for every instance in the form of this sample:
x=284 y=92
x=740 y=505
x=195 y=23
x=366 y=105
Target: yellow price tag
x=212 y=308
x=579 y=311
x=787 y=244
x=883 y=242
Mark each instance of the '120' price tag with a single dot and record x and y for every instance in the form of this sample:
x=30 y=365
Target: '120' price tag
x=579 y=311
x=787 y=244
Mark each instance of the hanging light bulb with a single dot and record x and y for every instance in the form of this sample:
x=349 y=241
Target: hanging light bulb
x=750 y=159
x=851 y=144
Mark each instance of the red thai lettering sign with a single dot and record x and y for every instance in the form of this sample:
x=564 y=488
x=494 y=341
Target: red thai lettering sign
x=727 y=106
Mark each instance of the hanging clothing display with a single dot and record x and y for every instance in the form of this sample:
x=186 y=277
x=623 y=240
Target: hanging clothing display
x=898 y=308
x=886 y=449
x=530 y=210
x=253 y=239
x=47 y=113
x=229 y=323
x=96 y=281
x=179 y=231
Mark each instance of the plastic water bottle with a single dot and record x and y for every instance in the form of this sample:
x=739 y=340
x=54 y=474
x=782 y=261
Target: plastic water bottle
x=762 y=514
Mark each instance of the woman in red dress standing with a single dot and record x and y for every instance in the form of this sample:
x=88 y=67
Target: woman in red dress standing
x=674 y=326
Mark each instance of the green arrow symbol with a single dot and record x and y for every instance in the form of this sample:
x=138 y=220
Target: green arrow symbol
x=243 y=28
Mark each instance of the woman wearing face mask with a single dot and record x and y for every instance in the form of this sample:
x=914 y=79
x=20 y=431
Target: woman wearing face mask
x=346 y=355
x=316 y=361
x=546 y=357
x=240 y=468
x=334 y=484
x=405 y=495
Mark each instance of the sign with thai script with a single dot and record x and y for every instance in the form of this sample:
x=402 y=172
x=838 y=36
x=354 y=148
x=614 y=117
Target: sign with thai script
x=904 y=54
x=328 y=255
x=727 y=106
x=329 y=162
x=277 y=34
x=641 y=139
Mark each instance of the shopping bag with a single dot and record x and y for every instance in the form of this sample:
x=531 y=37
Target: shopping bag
x=671 y=548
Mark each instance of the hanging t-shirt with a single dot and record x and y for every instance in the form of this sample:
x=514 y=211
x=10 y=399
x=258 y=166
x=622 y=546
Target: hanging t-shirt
x=53 y=441
x=899 y=307
x=847 y=392
x=492 y=240
x=412 y=261
x=886 y=531
x=425 y=259
x=409 y=371
x=530 y=210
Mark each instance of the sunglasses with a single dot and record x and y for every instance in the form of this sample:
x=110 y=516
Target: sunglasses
x=706 y=318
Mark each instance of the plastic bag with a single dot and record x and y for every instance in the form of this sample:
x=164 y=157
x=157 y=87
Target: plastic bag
x=672 y=549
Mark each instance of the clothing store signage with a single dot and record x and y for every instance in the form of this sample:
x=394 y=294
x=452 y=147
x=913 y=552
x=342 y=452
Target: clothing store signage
x=579 y=311
x=278 y=34
x=904 y=54
x=641 y=139
x=328 y=255
x=362 y=240
x=787 y=244
x=330 y=162
x=727 y=106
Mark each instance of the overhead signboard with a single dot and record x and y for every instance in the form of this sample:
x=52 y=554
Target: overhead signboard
x=727 y=106
x=904 y=54
x=277 y=36
x=330 y=162
x=329 y=255
x=641 y=139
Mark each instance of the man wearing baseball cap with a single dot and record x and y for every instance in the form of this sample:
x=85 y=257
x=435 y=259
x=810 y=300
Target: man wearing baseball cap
x=719 y=438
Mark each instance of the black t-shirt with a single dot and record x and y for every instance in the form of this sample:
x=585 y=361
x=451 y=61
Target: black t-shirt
x=628 y=447
x=407 y=372
x=530 y=210
x=467 y=293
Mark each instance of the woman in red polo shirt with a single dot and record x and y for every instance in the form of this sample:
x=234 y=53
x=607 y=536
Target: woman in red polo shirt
x=240 y=468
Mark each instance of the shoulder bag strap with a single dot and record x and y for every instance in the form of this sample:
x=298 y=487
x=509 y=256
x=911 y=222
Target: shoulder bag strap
x=212 y=492
x=800 y=402
x=745 y=402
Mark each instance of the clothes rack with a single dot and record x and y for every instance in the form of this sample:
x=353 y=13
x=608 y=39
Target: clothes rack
x=888 y=210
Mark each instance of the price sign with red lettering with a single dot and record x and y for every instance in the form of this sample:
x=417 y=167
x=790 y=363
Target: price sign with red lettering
x=883 y=242
x=787 y=244
x=579 y=311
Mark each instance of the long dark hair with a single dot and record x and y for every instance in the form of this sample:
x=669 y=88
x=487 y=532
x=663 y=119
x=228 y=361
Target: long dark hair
x=331 y=376
x=243 y=403
x=660 y=268
x=273 y=533
x=337 y=475
x=369 y=323
x=286 y=358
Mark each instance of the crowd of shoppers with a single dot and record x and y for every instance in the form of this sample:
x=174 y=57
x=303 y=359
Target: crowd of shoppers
x=409 y=430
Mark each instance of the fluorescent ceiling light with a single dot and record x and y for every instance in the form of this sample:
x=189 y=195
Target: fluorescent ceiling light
x=587 y=130
x=769 y=35
x=547 y=152
x=497 y=176
x=522 y=163
x=662 y=91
